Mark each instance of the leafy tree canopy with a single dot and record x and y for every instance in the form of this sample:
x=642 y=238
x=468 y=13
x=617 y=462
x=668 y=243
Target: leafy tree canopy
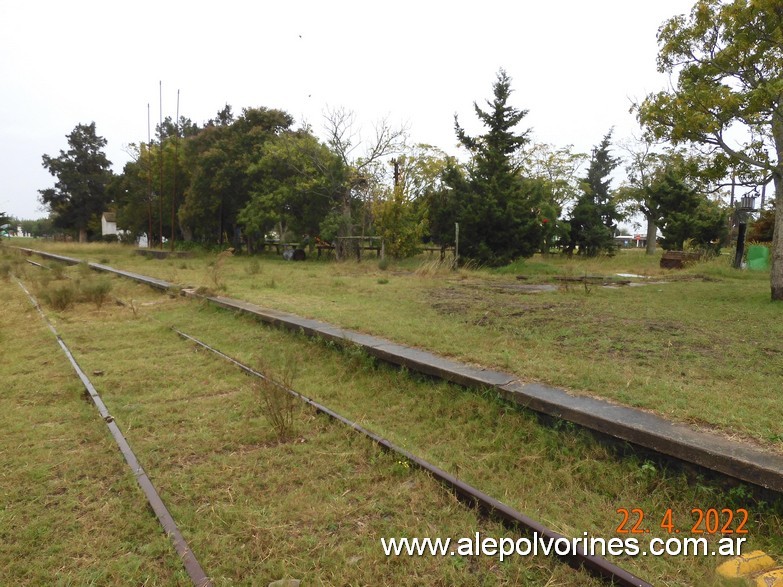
x=82 y=173
x=295 y=182
x=218 y=159
x=727 y=62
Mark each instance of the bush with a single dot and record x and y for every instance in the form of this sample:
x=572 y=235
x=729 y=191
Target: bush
x=59 y=297
x=278 y=404
x=253 y=267
x=96 y=292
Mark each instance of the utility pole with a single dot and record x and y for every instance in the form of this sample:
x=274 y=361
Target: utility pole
x=176 y=162
x=149 y=179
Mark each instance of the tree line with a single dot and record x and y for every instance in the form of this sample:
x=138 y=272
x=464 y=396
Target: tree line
x=247 y=177
x=241 y=178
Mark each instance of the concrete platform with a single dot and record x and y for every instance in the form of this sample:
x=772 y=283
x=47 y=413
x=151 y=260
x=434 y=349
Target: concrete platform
x=712 y=451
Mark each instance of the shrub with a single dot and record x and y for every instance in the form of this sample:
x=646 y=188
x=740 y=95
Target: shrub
x=60 y=297
x=278 y=404
x=253 y=267
x=96 y=292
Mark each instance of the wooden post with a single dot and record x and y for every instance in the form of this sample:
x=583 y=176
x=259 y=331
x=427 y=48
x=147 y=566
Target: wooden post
x=456 y=245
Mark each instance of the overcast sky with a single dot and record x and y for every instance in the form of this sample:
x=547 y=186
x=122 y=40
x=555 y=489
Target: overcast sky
x=575 y=65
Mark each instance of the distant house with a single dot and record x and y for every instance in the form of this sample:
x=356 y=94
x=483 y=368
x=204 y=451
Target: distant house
x=108 y=223
x=628 y=242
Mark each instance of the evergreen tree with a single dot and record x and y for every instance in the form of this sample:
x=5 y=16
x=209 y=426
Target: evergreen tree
x=499 y=214
x=82 y=172
x=594 y=218
x=4 y=220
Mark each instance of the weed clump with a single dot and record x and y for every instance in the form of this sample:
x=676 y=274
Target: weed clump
x=57 y=269
x=217 y=270
x=253 y=267
x=277 y=403
x=60 y=296
x=96 y=292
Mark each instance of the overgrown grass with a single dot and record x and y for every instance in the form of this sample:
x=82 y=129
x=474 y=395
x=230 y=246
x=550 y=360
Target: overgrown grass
x=254 y=507
x=71 y=511
x=697 y=345
x=558 y=475
x=254 y=504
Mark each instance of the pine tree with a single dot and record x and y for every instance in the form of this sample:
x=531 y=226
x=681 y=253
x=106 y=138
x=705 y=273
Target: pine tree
x=594 y=217
x=499 y=214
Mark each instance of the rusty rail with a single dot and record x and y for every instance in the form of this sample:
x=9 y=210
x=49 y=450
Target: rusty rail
x=192 y=566
x=596 y=565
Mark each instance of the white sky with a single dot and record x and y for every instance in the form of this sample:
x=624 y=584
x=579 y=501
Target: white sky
x=576 y=65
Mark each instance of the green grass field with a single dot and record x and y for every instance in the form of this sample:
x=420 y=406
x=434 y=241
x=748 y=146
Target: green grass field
x=700 y=345
x=255 y=508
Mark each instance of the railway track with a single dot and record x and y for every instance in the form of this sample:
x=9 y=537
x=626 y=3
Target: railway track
x=759 y=472
x=712 y=452
x=483 y=503
x=189 y=560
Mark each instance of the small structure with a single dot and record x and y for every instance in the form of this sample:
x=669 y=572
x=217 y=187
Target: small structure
x=625 y=241
x=108 y=223
x=678 y=259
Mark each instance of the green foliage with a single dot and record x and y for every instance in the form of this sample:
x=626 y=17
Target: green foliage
x=143 y=193
x=218 y=159
x=499 y=213
x=37 y=228
x=59 y=296
x=688 y=216
x=95 y=291
x=334 y=224
x=399 y=225
x=726 y=60
x=4 y=220
x=82 y=174
x=444 y=203
x=295 y=182
x=763 y=229
x=593 y=219
x=556 y=168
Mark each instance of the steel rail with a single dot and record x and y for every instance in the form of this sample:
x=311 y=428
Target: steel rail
x=513 y=519
x=191 y=564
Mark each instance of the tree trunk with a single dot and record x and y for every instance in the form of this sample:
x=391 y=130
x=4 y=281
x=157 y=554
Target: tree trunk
x=82 y=235
x=652 y=231
x=776 y=273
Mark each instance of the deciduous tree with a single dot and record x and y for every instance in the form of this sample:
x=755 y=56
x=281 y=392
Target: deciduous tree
x=294 y=183
x=218 y=158
x=726 y=59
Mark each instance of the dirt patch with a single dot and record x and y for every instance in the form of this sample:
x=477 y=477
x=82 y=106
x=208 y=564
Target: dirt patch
x=481 y=304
